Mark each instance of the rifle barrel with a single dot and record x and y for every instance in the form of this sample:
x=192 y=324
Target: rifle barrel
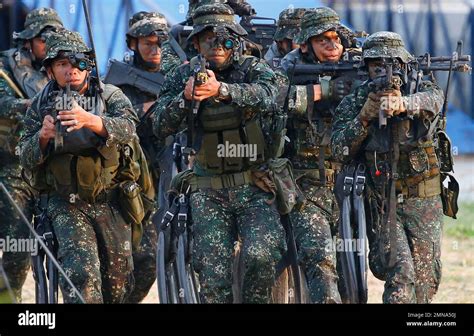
x=463 y=58
x=315 y=69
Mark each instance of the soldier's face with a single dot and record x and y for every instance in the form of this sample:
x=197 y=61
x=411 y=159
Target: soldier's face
x=376 y=68
x=63 y=72
x=327 y=46
x=212 y=52
x=38 y=48
x=149 y=48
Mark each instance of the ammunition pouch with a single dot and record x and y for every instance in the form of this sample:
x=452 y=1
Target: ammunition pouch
x=425 y=188
x=288 y=194
x=132 y=209
x=234 y=138
x=86 y=175
x=424 y=179
x=449 y=195
x=444 y=152
x=89 y=171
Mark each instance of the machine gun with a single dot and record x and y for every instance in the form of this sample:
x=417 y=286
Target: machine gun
x=456 y=62
x=303 y=74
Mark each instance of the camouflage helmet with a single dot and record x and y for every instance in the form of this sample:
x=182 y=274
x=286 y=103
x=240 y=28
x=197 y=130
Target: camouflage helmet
x=36 y=21
x=64 y=40
x=318 y=21
x=214 y=15
x=143 y=24
x=385 y=44
x=289 y=23
x=195 y=4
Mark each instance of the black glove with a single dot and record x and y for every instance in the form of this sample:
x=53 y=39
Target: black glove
x=337 y=88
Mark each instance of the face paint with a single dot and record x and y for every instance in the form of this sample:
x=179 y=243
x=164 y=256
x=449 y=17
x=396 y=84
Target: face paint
x=213 y=46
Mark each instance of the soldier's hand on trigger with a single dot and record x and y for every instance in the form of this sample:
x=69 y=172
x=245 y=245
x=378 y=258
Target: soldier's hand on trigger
x=76 y=118
x=371 y=108
x=201 y=92
x=391 y=102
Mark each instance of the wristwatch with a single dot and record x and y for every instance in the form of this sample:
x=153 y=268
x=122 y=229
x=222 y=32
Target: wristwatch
x=223 y=91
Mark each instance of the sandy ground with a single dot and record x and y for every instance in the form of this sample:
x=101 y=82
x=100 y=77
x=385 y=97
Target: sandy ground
x=456 y=285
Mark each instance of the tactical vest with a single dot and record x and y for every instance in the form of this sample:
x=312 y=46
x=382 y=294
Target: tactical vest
x=311 y=133
x=310 y=151
x=418 y=166
x=86 y=165
x=30 y=82
x=223 y=126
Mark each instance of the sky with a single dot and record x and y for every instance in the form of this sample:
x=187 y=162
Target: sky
x=108 y=14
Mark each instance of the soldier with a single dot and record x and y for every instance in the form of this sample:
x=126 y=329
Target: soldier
x=414 y=235
x=225 y=203
x=147 y=32
x=288 y=27
x=309 y=124
x=85 y=172
x=20 y=79
x=178 y=50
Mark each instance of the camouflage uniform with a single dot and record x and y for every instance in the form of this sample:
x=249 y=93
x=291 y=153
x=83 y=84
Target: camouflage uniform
x=24 y=71
x=94 y=240
x=416 y=273
x=224 y=202
x=288 y=27
x=144 y=24
x=314 y=166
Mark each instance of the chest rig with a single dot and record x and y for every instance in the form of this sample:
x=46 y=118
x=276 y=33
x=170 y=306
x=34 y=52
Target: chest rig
x=224 y=137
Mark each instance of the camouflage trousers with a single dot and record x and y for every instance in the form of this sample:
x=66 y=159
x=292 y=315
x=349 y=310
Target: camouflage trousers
x=94 y=248
x=312 y=229
x=416 y=274
x=15 y=264
x=220 y=218
x=144 y=264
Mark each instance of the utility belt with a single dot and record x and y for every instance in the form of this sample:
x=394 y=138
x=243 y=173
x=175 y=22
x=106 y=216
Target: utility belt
x=221 y=181
x=419 y=186
x=277 y=178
